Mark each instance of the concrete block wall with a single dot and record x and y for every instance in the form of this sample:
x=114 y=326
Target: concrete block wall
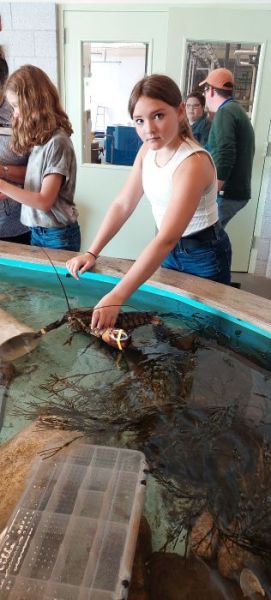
x=29 y=35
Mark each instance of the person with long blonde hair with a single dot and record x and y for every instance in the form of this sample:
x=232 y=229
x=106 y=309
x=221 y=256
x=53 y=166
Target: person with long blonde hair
x=41 y=127
x=179 y=178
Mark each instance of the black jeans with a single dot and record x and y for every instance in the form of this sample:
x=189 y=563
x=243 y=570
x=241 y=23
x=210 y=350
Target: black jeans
x=24 y=238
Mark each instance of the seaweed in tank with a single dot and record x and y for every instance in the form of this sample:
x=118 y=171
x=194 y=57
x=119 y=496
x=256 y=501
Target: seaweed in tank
x=210 y=454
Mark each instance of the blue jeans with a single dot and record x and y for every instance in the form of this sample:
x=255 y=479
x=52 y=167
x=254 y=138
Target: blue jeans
x=64 y=238
x=227 y=208
x=208 y=258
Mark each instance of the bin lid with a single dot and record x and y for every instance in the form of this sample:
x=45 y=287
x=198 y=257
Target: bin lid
x=72 y=535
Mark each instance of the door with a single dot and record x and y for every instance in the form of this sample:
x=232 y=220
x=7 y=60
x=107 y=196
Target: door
x=97 y=184
x=214 y=24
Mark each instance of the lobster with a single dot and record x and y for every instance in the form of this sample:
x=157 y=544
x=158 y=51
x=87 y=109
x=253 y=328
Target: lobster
x=119 y=337
x=79 y=319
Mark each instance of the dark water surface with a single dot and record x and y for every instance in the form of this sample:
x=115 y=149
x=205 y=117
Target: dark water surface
x=194 y=394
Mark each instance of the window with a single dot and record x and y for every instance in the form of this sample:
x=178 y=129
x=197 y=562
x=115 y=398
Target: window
x=241 y=59
x=110 y=70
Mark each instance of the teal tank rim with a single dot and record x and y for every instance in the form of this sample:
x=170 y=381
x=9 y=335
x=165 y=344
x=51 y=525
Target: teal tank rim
x=145 y=288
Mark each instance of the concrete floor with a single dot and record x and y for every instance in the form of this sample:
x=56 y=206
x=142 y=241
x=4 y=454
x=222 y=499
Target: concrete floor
x=255 y=284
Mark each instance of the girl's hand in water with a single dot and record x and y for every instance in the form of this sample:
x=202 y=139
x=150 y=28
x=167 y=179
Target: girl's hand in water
x=80 y=264
x=106 y=311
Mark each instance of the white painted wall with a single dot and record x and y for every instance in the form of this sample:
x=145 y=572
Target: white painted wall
x=124 y=76
x=263 y=256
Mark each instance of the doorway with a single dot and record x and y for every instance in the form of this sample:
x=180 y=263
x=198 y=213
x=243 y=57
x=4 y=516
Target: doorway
x=128 y=43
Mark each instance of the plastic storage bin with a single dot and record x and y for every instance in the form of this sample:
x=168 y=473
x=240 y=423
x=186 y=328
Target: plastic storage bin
x=72 y=536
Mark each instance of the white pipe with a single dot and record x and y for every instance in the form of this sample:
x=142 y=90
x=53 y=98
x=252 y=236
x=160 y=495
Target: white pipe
x=253 y=52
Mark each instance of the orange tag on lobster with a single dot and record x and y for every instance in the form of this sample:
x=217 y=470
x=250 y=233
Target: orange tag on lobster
x=118 y=338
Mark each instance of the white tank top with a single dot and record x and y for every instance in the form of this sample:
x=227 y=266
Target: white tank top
x=157 y=185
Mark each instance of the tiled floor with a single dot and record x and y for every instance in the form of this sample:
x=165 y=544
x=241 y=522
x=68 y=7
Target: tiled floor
x=255 y=284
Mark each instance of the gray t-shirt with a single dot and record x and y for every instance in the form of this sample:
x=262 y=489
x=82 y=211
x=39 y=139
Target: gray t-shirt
x=10 y=211
x=56 y=156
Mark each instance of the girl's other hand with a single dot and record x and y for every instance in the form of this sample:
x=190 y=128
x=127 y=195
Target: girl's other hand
x=80 y=264
x=106 y=311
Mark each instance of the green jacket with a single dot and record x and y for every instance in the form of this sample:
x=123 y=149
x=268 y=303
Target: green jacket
x=232 y=145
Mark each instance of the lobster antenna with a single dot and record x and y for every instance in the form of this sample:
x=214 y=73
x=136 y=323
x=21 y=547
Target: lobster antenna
x=58 y=276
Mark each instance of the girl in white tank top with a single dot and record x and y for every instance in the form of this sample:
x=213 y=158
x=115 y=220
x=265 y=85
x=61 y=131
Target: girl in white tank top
x=157 y=185
x=179 y=178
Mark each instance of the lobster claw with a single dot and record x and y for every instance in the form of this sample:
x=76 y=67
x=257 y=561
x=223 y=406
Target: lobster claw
x=118 y=338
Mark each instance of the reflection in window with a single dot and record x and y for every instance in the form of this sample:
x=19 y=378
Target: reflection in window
x=110 y=70
x=241 y=59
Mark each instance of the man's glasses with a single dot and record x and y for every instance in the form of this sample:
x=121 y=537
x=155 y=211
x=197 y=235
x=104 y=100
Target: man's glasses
x=205 y=89
x=193 y=106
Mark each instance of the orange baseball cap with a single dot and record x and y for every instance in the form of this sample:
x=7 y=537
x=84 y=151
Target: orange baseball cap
x=219 y=78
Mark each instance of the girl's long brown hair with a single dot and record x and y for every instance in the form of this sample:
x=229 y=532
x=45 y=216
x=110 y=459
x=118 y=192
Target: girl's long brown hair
x=160 y=87
x=41 y=113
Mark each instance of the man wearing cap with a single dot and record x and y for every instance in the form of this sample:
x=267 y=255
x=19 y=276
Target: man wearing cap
x=231 y=143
